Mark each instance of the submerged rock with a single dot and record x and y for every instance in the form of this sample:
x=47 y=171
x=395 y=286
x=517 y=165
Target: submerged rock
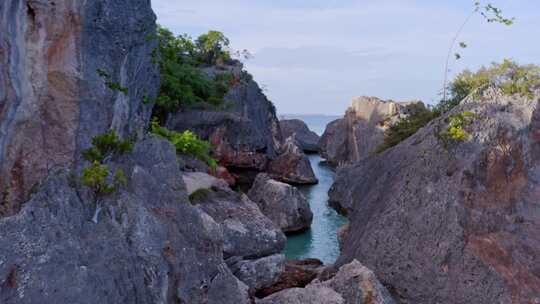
x=283 y=204
x=307 y=140
x=360 y=133
x=53 y=99
x=445 y=221
x=149 y=245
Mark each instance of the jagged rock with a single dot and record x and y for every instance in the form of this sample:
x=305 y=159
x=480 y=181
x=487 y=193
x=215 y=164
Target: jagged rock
x=246 y=133
x=307 y=139
x=52 y=98
x=285 y=205
x=292 y=165
x=442 y=221
x=259 y=273
x=191 y=164
x=297 y=273
x=196 y=181
x=357 y=285
x=308 y=295
x=361 y=131
x=149 y=245
x=247 y=232
x=224 y=174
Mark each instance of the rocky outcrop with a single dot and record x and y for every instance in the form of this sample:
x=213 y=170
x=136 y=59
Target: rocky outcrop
x=259 y=273
x=247 y=232
x=352 y=284
x=149 y=245
x=360 y=133
x=292 y=165
x=297 y=273
x=444 y=221
x=285 y=205
x=52 y=98
x=245 y=135
x=196 y=181
x=307 y=140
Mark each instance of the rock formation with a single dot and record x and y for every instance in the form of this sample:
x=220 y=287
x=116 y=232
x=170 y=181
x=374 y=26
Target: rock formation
x=361 y=131
x=245 y=135
x=52 y=97
x=285 y=205
x=352 y=284
x=307 y=140
x=446 y=221
x=292 y=165
x=149 y=246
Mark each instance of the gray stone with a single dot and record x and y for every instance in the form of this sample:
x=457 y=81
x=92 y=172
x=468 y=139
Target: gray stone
x=308 y=295
x=196 y=181
x=442 y=221
x=247 y=232
x=259 y=273
x=52 y=99
x=361 y=131
x=149 y=245
x=307 y=139
x=285 y=205
x=292 y=165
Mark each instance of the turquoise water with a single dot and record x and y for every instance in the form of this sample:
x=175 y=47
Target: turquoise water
x=321 y=240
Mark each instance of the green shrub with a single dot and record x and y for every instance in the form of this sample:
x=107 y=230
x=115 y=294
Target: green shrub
x=183 y=84
x=406 y=127
x=186 y=143
x=107 y=145
x=456 y=129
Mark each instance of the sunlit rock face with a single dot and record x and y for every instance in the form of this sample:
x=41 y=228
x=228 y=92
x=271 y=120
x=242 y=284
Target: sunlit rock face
x=449 y=221
x=52 y=98
x=361 y=131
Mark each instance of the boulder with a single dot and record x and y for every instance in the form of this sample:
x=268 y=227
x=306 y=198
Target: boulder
x=297 y=273
x=149 y=245
x=446 y=221
x=357 y=285
x=308 y=295
x=307 y=140
x=53 y=99
x=360 y=133
x=247 y=232
x=285 y=205
x=196 y=181
x=292 y=165
x=191 y=164
x=259 y=273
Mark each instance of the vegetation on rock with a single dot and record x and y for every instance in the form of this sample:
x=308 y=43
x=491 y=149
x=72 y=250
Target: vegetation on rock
x=107 y=145
x=186 y=143
x=509 y=77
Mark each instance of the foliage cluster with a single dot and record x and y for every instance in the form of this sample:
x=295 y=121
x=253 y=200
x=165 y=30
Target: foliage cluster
x=97 y=176
x=186 y=143
x=115 y=86
x=456 y=129
x=181 y=60
x=510 y=77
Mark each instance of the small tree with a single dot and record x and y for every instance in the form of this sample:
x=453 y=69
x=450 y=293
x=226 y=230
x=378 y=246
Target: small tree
x=214 y=47
x=97 y=177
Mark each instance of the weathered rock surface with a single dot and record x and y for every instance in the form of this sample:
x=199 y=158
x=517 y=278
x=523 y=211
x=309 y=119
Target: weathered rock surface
x=361 y=131
x=52 y=100
x=149 y=246
x=247 y=232
x=297 y=273
x=292 y=165
x=352 y=284
x=196 y=181
x=447 y=225
x=285 y=205
x=259 y=273
x=307 y=140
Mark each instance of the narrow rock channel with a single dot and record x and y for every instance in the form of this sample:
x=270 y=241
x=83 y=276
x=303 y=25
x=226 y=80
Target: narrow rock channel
x=320 y=241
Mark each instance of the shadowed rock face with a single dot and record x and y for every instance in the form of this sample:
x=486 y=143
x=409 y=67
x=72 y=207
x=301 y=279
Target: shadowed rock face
x=448 y=226
x=52 y=100
x=149 y=246
x=361 y=131
x=307 y=139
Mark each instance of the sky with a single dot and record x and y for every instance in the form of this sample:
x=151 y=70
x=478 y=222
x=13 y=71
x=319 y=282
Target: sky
x=314 y=56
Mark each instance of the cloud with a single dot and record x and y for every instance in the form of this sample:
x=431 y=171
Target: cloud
x=314 y=56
